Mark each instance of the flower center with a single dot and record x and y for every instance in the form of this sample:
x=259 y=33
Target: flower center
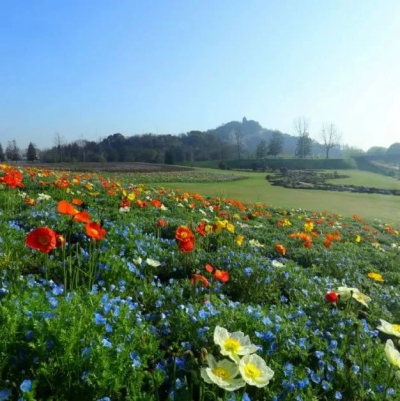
x=396 y=327
x=222 y=373
x=44 y=240
x=232 y=345
x=252 y=371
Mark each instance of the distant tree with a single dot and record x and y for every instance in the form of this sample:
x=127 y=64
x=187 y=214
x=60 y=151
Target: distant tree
x=275 y=144
x=59 y=142
x=31 y=154
x=377 y=150
x=237 y=139
x=351 y=151
x=330 y=137
x=393 y=148
x=2 y=155
x=303 y=147
x=13 y=152
x=262 y=150
x=169 y=157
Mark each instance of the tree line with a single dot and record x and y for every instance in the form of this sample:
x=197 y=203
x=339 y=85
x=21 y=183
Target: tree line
x=188 y=147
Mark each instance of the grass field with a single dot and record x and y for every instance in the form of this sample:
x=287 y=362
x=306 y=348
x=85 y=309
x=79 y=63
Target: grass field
x=256 y=189
x=367 y=179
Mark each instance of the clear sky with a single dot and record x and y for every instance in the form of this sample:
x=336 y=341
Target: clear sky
x=88 y=69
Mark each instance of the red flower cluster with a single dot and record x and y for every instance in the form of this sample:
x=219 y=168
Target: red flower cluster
x=12 y=178
x=220 y=275
x=185 y=239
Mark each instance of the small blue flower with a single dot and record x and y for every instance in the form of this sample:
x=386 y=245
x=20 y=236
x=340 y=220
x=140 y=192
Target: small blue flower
x=26 y=386
x=135 y=358
x=338 y=395
x=4 y=394
x=106 y=343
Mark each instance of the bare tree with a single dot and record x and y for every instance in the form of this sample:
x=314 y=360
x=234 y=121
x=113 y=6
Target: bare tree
x=301 y=127
x=59 y=142
x=237 y=138
x=330 y=137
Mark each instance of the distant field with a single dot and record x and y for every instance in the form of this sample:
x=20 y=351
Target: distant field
x=367 y=179
x=257 y=189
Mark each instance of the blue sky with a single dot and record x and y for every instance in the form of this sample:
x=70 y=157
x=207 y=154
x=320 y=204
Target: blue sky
x=93 y=68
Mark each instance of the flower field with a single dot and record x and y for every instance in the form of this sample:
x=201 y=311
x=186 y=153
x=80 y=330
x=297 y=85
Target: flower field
x=112 y=290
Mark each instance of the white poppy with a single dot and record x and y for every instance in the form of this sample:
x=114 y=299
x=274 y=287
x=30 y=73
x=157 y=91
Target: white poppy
x=388 y=328
x=255 y=371
x=222 y=374
x=233 y=344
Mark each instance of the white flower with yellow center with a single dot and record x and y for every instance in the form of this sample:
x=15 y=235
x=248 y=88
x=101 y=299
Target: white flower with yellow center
x=222 y=373
x=388 y=328
x=152 y=262
x=347 y=292
x=233 y=344
x=255 y=371
x=392 y=354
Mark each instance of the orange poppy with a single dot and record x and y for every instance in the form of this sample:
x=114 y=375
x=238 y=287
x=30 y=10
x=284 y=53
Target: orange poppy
x=95 y=231
x=65 y=207
x=221 y=275
x=43 y=239
x=199 y=278
x=280 y=249
x=82 y=217
x=77 y=201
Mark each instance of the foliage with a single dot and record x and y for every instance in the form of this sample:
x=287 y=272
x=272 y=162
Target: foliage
x=262 y=150
x=275 y=144
x=31 y=154
x=309 y=290
x=13 y=152
x=2 y=155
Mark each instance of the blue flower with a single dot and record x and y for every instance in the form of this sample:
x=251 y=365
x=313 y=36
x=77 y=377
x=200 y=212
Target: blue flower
x=26 y=386
x=135 y=358
x=247 y=271
x=4 y=394
x=338 y=395
x=106 y=343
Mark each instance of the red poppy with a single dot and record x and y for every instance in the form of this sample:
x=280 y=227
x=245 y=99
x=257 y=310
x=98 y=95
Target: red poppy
x=331 y=297
x=221 y=275
x=162 y=223
x=186 y=246
x=95 y=231
x=209 y=268
x=43 y=239
x=60 y=240
x=125 y=203
x=183 y=234
x=156 y=203
x=201 y=228
x=199 y=278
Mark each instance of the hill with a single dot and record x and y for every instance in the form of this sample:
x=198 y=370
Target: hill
x=253 y=133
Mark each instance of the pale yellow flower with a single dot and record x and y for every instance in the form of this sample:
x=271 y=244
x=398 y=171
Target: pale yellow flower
x=222 y=373
x=233 y=344
x=388 y=328
x=255 y=371
x=392 y=354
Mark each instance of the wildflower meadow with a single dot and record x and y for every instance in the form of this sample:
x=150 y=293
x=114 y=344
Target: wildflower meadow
x=114 y=290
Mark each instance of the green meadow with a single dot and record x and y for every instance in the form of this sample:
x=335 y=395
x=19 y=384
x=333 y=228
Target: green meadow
x=255 y=188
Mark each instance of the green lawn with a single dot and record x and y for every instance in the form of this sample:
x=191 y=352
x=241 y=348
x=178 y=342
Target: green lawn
x=367 y=179
x=256 y=189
